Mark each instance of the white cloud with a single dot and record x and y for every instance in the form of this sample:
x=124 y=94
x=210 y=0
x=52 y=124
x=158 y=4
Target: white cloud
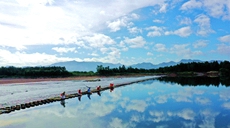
x=182 y=32
x=160 y=47
x=184 y=51
x=200 y=44
x=149 y=54
x=115 y=53
x=158 y=21
x=214 y=8
x=157 y=31
x=93 y=54
x=134 y=16
x=191 y=4
x=186 y=21
x=64 y=50
x=155 y=28
x=134 y=30
x=225 y=38
x=163 y=8
x=122 y=22
x=181 y=50
x=154 y=33
x=223 y=49
x=137 y=42
x=35 y=23
x=203 y=22
x=116 y=25
x=98 y=40
x=33 y=59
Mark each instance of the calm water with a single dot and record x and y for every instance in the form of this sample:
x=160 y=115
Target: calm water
x=153 y=103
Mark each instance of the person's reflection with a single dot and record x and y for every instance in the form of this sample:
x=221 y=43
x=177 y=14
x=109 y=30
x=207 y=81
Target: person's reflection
x=99 y=93
x=79 y=98
x=63 y=103
x=111 y=89
x=89 y=95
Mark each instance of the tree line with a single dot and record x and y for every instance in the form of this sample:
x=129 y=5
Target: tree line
x=55 y=71
x=33 y=72
x=222 y=67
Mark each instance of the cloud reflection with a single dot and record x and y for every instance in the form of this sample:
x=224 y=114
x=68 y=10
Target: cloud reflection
x=226 y=105
x=117 y=123
x=137 y=105
x=158 y=116
x=208 y=117
x=203 y=100
x=161 y=99
x=187 y=114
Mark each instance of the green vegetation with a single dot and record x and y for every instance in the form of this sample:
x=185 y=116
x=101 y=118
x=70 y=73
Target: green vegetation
x=33 y=72
x=83 y=73
x=182 y=69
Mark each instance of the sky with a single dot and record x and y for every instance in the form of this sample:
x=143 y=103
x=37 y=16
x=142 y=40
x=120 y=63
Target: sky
x=43 y=32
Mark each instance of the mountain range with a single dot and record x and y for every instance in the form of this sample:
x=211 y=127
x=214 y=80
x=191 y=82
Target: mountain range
x=92 y=66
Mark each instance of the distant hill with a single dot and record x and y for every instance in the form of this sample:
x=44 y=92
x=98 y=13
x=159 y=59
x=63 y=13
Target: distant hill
x=164 y=64
x=92 y=66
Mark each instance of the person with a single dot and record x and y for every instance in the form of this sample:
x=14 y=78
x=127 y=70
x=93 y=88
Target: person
x=89 y=91
x=63 y=96
x=99 y=88
x=111 y=85
x=79 y=92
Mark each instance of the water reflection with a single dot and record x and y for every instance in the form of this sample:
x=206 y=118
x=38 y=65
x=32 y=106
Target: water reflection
x=194 y=81
x=63 y=103
x=147 y=104
x=79 y=98
x=99 y=93
x=88 y=95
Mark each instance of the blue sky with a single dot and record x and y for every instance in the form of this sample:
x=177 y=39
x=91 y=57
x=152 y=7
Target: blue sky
x=43 y=32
